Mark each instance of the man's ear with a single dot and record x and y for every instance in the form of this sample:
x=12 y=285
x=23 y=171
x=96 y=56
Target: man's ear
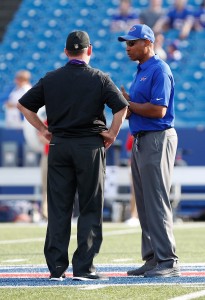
x=147 y=42
x=90 y=49
x=66 y=52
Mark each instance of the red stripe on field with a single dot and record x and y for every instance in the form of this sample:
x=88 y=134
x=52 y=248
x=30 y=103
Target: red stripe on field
x=193 y=273
x=109 y=274
x=46 y=275
x=27 y=275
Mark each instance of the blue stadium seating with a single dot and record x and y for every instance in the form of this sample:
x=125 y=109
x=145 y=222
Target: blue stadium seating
x=35 y=41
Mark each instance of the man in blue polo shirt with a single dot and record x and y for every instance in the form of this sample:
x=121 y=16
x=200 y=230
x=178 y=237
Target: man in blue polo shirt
x=151 y=121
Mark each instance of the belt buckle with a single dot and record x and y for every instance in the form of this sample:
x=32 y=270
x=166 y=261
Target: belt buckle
x=140 y=134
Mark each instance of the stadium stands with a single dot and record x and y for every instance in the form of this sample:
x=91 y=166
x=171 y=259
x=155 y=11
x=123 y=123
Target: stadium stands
x=7 y=10
x=35 y=39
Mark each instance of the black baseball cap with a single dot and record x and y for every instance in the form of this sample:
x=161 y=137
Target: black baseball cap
x=77 y=40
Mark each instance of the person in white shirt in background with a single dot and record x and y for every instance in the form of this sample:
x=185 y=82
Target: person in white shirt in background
x=13 y=118
x=159 y=46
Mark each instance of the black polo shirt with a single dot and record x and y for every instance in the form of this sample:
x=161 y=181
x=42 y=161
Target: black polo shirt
x=75 y=97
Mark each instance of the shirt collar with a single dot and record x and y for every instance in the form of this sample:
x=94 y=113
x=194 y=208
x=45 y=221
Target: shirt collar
x=148 y=63
x=77 y=62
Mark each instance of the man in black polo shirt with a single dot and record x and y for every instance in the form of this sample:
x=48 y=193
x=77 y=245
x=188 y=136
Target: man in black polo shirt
x=75 y=97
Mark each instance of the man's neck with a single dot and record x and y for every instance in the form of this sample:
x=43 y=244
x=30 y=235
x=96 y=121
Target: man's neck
x=79 y=58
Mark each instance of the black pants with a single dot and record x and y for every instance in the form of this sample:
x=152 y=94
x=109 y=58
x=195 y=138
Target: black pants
x=74 y=164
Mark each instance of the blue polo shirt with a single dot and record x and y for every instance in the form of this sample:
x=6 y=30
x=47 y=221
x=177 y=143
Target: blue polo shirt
x=153 y=83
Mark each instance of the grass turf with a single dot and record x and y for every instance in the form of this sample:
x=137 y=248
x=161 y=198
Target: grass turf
x=23 y=244
x=108 y=293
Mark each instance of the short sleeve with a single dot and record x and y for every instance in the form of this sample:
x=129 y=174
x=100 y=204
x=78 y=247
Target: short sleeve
x=34 y=98
x=161 y=89
x=113 y=96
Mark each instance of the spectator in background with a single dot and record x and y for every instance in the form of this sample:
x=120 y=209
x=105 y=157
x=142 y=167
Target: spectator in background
x=173 y=53
x=159 y=46
x=44 y=170
x=125 y=17
x=16 y=211
x=200 y=17
x=179 y=17
x=133 y=209
x=13 y=117
x=151 y=14
x=179 y=161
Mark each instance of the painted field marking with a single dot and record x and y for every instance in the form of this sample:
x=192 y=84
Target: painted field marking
x=190 y=296
x=121 y=260
x=32 y=240
x=38 y=276
x=21 y=241
x=14 y=260
x=93 y=287
x=69 y=274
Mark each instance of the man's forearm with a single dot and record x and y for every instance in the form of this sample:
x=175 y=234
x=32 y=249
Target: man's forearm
x=118 y=119
x=110 y=135
x=147 y=109
x=32 y=118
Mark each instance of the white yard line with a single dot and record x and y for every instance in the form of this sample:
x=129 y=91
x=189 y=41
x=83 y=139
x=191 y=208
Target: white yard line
x=202 y=264
x=14 y=260
x=106 y=225
x=20 y=241
x=120 y=232
x=93 y=287
x=188 y=225
x=123 y=229
x=117 y=229
x=190 y=296
x=104 y=286
x=107 y=284
x=32 y=240
x=122 y=260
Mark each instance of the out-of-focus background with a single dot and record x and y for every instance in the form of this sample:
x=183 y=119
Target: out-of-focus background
x=32 y=39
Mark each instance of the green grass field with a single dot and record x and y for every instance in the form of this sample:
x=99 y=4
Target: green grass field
x=22 y=244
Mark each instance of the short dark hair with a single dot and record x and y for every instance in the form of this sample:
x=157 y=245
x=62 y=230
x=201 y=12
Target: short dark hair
x=76 y=52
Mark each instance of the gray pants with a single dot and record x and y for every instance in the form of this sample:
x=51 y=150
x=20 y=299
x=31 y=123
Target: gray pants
x=152 y=164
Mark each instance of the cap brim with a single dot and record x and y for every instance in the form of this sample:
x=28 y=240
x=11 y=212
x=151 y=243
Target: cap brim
x=127 y=38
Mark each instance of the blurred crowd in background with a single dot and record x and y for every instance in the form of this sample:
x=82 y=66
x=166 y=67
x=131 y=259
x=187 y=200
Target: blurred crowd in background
x=179 y=17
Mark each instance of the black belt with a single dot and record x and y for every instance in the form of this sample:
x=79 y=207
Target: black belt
x=142 y=133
